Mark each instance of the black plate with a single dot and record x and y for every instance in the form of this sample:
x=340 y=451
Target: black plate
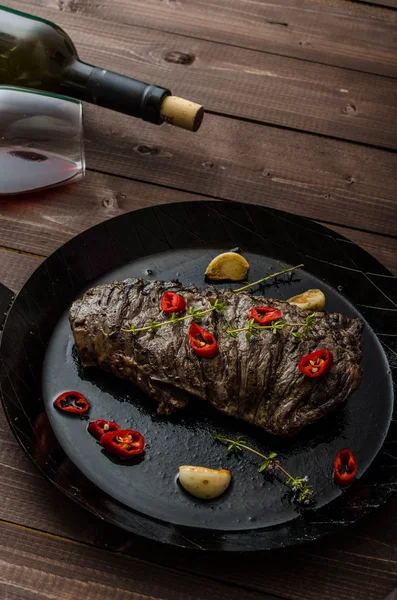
x=177 y=241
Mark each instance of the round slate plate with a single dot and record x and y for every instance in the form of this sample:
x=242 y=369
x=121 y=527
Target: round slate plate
x=38 y=361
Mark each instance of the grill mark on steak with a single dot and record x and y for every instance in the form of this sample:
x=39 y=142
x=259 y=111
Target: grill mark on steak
x=256 y=380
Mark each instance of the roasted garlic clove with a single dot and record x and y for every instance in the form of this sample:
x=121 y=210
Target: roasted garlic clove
x=228 y=266
x=310 y=300
x=204 y=483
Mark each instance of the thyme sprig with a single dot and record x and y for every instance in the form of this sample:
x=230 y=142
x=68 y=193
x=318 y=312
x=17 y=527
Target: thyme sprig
x=195 y=314
x=302 y=492
x=310 y=321
x=253 y=328
x=249 y=286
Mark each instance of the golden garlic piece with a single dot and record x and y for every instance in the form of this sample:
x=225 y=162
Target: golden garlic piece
x=203 y=482
x=310 y=300
x=228 y=266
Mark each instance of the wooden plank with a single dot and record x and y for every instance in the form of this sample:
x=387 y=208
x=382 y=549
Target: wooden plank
x=34 y=566
x=15 y=268
x=338 y=33
x=41 y=222
x=364 y=557
x=44 y=221
x=343 y=183
x=237 y=82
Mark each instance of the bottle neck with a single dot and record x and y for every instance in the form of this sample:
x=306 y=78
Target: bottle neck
x=116 y=92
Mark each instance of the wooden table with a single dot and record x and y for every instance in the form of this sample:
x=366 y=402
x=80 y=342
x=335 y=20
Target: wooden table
x=301 y=99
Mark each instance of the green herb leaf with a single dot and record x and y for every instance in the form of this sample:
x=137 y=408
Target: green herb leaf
x=153 y=325
x=196 y=314
x=218 y=305
x=274 y=276
x=131 y=329
x=302 y=492
x=218 y=436
x=263 y=466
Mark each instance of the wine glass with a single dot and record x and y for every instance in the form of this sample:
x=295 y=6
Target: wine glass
x=41 y=140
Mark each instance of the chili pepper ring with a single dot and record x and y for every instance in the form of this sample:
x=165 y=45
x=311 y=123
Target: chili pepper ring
x=100 y=427
x=263 y=315
x=345 y=467
x=72 y=402
x=171 y=302
x=123 y=443
x=316 y=364
x=202 y=341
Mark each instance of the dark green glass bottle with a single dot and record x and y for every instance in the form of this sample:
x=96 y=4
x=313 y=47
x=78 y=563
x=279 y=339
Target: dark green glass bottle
x=37 y=54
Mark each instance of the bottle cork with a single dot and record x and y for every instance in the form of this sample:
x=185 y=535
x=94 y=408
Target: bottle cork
x=182 y=113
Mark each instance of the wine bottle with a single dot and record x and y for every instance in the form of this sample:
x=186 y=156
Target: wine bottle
x=37 y=54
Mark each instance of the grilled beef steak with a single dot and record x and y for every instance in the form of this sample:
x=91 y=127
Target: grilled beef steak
x=256 y=380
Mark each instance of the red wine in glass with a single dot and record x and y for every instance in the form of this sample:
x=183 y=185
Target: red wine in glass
x=26 y=169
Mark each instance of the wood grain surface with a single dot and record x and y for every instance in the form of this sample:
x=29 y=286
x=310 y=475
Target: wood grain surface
x=302 y=100
x=311 y=176
x=342 y=33
x=235 y=160
x=251 y=85
x=45 y=566
x=34 y=226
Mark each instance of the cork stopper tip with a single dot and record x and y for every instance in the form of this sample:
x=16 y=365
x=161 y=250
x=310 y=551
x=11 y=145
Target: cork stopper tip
x=182 y=113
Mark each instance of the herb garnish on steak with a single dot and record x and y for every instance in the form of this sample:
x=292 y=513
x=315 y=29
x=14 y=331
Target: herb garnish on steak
x=256 y=380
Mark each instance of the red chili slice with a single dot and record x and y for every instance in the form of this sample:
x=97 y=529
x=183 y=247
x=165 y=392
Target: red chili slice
x=345 y=467
x=316 y=364
x=202 y=341
x=171 y=302
x=72 y=402
x=123 y=443
x=263 y=315
x=100 y=427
